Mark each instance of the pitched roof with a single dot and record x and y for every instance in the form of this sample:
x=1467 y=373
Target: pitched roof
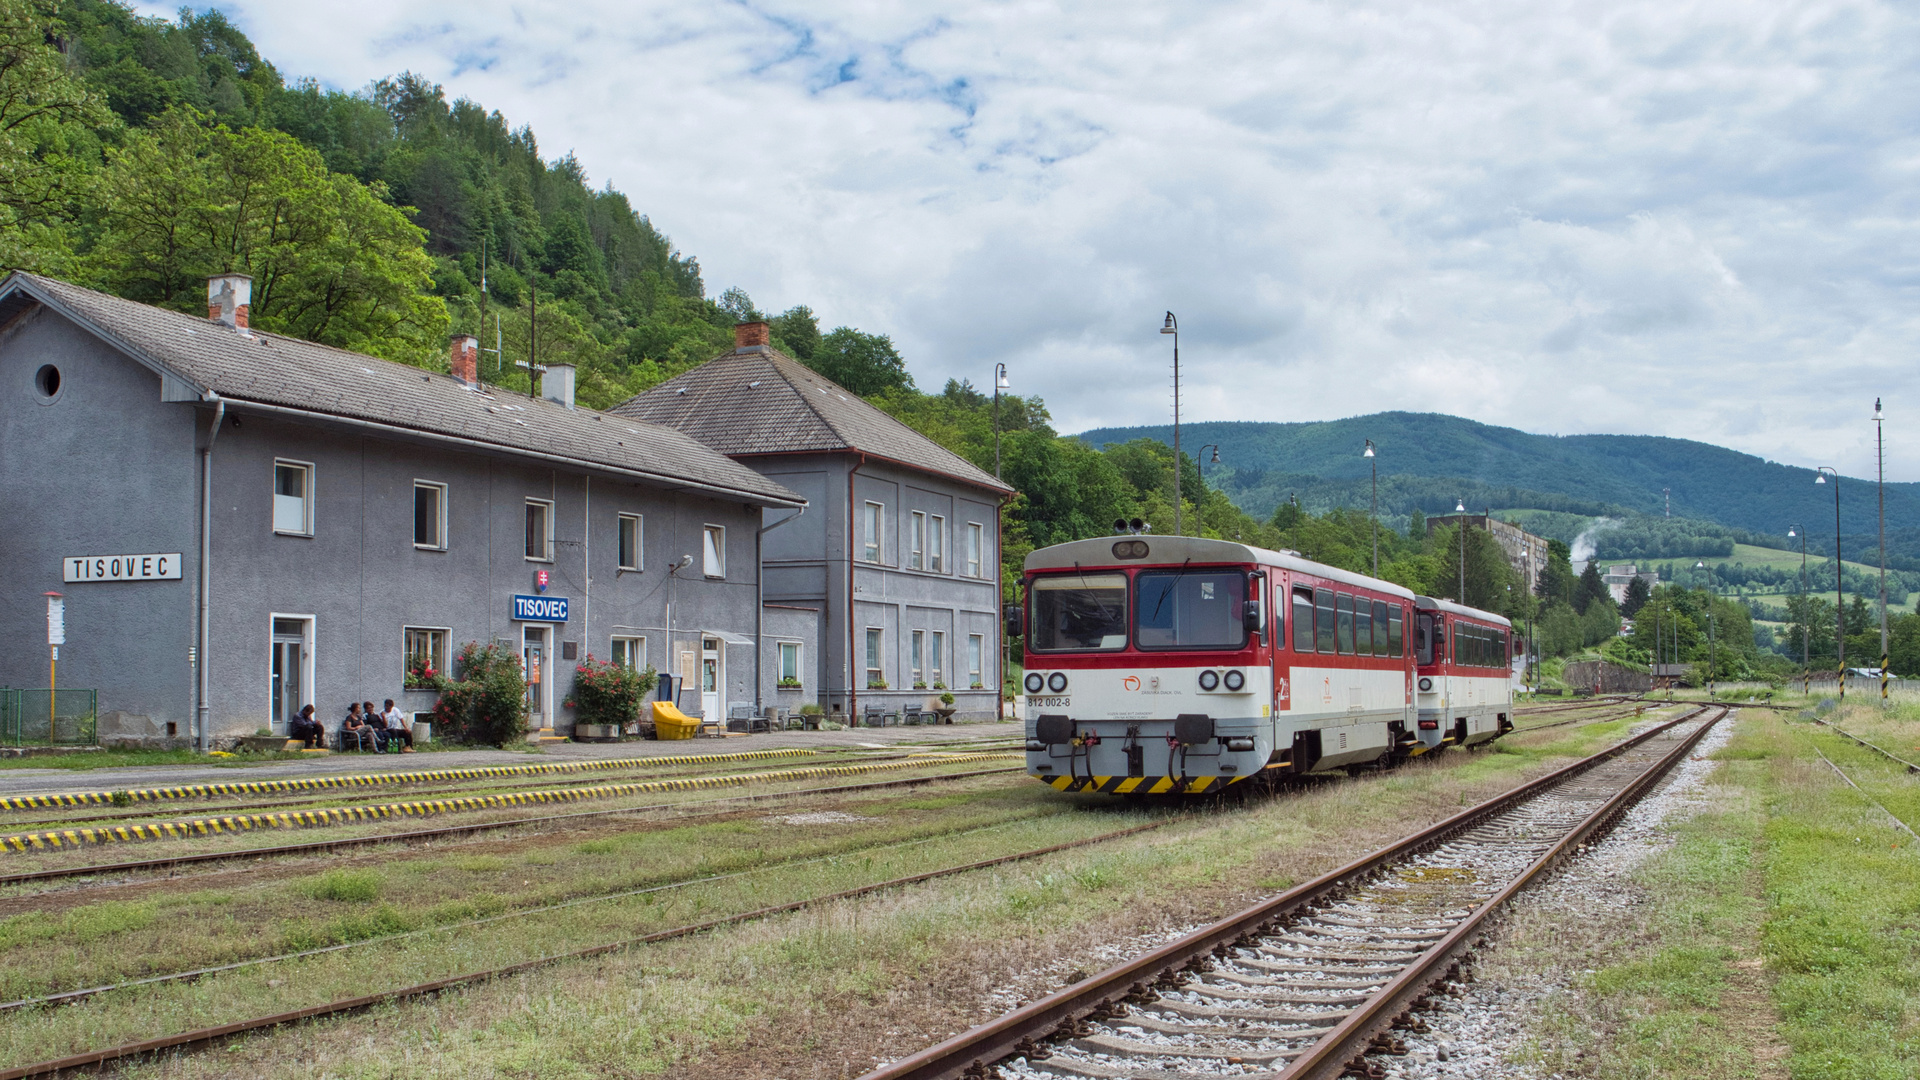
x=209 y=361
x=755 y=400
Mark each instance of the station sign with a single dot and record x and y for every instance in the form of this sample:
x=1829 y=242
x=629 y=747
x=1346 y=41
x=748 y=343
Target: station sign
x=84 y=568
x=539 y=608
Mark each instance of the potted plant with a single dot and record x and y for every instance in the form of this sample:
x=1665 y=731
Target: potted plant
x=421 y=675
x=788 y=684
x=607 y=697
x=876 y=684
x=945 y=708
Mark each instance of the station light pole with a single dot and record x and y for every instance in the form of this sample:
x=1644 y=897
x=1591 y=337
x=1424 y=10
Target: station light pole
x=1172 y=326
x=1712 y=660
x=1460 y=508
x=1199 y=468
x=1806 y=667
x=1839 y=595
x=1374 y=463
x=1880 y=456
x=999 y=384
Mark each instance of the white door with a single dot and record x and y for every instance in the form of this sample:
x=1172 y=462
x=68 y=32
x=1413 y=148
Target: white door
x=712 y=678
x=289 y=691
x=533 y=657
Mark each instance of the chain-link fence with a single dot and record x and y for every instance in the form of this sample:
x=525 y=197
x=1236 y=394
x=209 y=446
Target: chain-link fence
x=48 y=717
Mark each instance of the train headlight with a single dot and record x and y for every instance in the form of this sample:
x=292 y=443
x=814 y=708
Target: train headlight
x=1209 y=681
x=1036 y=682
x=1240 y=744
x=1235 y=681
x=1057 y=682
x=1426 y=684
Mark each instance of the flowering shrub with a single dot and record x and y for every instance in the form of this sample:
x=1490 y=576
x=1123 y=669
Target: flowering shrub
x=606 y=693
x=421 y=675
x=488 y=704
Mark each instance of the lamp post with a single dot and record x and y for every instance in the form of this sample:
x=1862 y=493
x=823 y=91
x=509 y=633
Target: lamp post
x=1172 y=326
x=1374 y=463
x=1712 y=660
x=1806 y=669
x=1839 y=596
x=1199 y=467
x=1460 y=508
x=999 y=384
x=1880 y=456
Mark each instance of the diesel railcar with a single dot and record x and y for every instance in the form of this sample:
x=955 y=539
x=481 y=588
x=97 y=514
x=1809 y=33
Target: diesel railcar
x=1174 y=664
x=1464 y=674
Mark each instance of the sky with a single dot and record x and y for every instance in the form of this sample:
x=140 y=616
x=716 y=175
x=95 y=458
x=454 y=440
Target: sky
x=1683 y=218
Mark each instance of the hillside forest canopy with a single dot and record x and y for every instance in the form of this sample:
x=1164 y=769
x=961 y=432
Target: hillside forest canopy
x=139 y=155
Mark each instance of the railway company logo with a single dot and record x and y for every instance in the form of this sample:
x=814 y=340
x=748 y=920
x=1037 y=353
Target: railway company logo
x=1131 y=682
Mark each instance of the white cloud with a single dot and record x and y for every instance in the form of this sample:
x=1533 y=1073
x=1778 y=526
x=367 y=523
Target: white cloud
x=1686 y=219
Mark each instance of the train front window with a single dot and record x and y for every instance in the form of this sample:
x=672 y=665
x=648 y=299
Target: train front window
x=1193 y=609
x=1423 y=638
x=1078 y=611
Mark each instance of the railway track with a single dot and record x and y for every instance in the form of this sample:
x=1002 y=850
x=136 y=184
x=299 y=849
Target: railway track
x=1318 y=982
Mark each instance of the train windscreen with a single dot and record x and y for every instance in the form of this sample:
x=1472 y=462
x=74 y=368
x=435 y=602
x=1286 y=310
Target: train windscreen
x=1192 y=609
x=1077 y=612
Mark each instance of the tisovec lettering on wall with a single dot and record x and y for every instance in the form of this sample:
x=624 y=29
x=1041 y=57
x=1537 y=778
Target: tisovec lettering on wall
x=539 y=608
x=83 y=568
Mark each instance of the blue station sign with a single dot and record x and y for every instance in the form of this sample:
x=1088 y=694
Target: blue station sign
x=539 y=608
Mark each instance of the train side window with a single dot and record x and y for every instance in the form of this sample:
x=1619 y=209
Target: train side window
x=1394 y=630
x=1345 y=641
x=1362 y=626
x=1380 y=628
x=1323 y=619
x=1303 y=620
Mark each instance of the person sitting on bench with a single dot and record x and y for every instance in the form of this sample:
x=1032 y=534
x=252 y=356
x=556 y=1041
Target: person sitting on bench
x=355 y=730
x=395 y=722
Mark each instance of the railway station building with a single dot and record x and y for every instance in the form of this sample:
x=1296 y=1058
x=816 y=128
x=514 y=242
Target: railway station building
x=244 y=523
x=885 y=592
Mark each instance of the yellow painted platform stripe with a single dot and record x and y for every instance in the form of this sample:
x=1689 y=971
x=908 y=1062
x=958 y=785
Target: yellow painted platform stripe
x=379 y=779
x=297 y=819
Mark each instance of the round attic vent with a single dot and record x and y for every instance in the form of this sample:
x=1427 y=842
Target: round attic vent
x=47 y=382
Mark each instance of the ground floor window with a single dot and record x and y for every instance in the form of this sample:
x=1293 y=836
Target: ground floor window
x=790 y=665
x=936 y=660
x=426 y=657
x=876 y=675
x=976 y=649
x=630 y=652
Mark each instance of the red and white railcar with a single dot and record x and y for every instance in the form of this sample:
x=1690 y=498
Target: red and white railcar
x=1465 y=687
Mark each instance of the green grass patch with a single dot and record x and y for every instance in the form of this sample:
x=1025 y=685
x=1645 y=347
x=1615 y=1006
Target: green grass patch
x=343 y=886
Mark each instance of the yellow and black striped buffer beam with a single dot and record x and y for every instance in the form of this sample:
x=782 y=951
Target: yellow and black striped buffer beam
x=1137 y=785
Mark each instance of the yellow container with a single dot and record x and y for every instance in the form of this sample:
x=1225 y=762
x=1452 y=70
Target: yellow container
x=671 y=723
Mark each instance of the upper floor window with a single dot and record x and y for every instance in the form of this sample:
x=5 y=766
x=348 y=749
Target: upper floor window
x=937 y=544
x=976 y=544
x=631 y=535
x=293 y=498
x=870 y=532
x=429 y=515
x=539 y=530
x=917 y=541
x=713 y=552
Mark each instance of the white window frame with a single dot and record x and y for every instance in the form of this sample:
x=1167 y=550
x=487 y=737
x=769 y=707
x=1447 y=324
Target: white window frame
x=976 y=660
x=917 y=662
x=306 y=509
x=440 y=523
x=916 y=540
x=936 y=658
x=873 y=532
x=547 y=518
x=937 y=544
x=713 y=551
x=876 y=658
x=636 y=650
x=443 y=653
x=976 y=550
x=780 y=663
x=639 y=542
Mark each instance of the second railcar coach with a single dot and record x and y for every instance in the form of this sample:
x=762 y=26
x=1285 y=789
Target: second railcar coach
x=1465 y=688
x=1181 y=664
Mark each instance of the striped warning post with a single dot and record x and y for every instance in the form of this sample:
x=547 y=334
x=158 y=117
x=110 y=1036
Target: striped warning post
x=60 y=839
x=378 y=779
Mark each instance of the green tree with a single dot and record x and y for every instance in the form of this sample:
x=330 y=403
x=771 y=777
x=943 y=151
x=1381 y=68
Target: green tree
x=863 y=363
x=1638 y=593
x=48 y=141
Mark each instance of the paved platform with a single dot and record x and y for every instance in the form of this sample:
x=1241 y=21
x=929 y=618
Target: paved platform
x=32 y=781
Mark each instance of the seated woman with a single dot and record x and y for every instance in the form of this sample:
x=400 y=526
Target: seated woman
x=355 y=732
x=308 y=730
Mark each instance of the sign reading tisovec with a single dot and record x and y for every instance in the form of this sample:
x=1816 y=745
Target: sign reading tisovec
x=540 y=608
x=80 y=568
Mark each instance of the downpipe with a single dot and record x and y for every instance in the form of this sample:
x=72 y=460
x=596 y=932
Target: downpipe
x=201 y=711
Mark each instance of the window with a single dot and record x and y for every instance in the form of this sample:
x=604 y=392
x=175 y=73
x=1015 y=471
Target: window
x=293 y=498
x=426 y=655
x=1302 y=620
x=539 y=530
x=713 y=552
x=916 y=540
x=1423 y=639
x=919 y=659
x=1345 y=640
x=1078 y=611
x=790 y=664
x=429 y=515
x=876 y=675
x=871 y=532
x=1323 y=619
x=937 y=545
x=1363 y=626
x=936 y=662
x=630 y=653
x=630 y=537
x=1380 y=630
x=1195 y=609
x=976 y=540
x=1395 y=631
x=976 y=651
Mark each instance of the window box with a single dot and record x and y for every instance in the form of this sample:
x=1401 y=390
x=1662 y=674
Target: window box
x=788 y=684
x=876 y=684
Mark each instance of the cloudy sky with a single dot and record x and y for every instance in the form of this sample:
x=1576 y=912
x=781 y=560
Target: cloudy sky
x=1683 y=218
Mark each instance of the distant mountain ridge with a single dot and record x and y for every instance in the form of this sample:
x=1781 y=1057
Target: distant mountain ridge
x=1592 y=474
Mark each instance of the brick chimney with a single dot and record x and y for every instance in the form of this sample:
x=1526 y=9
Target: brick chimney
x=464 y=359
x=228 y=296
x=746 y=335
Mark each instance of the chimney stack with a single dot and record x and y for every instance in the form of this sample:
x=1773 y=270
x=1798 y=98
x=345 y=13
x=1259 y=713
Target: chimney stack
x=228 y=296
x=556 y=385
x=465 y=359
x=747 y=335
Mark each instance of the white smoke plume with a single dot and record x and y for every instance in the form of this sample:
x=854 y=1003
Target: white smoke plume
x=1584 y=545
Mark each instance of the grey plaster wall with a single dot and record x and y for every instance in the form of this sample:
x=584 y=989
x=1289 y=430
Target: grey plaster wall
x=796 y=624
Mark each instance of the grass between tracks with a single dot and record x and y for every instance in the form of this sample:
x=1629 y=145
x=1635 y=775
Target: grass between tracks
x=821 y=993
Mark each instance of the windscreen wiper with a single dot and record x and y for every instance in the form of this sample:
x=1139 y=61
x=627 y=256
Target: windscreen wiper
x=1168 y=591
